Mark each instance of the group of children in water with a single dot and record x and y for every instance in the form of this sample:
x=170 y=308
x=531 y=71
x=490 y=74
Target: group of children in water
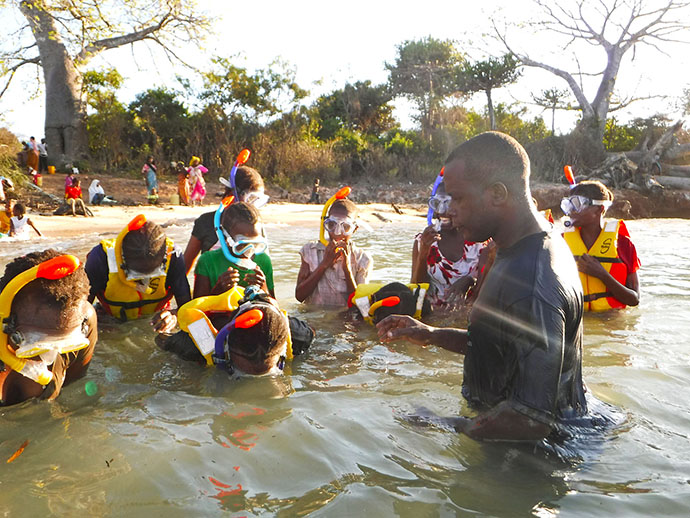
x=48 y=325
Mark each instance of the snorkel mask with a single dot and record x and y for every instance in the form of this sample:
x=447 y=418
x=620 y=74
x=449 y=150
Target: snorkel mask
x=237 y=252
x=578 y=203
x=341 y=194
x=434 y=210
x=32 y=344
x=138 y=281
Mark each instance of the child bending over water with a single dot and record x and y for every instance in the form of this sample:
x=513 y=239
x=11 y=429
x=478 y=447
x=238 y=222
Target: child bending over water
x=47 y=326
x=330 y=272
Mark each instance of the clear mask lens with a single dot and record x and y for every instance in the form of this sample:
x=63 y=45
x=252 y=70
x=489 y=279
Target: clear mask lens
x=256 y=198
x=245 y=247
x=439 y=203
x=144 y=278
x=340 y=226
x=576 y=203
x=34 y=343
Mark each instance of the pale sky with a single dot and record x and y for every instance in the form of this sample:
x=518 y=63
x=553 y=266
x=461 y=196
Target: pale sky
x=331 y=43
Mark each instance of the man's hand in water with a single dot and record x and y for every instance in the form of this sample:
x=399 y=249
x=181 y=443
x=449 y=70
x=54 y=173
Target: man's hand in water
x=256 y=278
x=227 y=280
x=590 y=266
x=456 y=294
x=395 y=327
x=164 y=321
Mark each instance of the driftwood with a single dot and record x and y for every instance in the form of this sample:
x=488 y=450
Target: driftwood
x=674 y=182
x=682 y=171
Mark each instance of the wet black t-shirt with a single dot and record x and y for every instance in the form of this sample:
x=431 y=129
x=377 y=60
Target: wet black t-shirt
x=525 y=333
x=204 y=230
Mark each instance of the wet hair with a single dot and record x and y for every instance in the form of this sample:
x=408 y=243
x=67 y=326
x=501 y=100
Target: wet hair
x=344 y=205
x=65 y=293
x=494 y=157
x=19 y=207
x=240 y=212
x=145 y=245
x=248 y=179
x=592 y=189
x=406 y=306
x=260 y=343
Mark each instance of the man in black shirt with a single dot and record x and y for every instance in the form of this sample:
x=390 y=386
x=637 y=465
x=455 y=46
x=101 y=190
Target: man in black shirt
x=523 y=346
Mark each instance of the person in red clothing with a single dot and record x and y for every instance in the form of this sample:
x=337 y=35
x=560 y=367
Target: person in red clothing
x=605 y=255
x=74 y=197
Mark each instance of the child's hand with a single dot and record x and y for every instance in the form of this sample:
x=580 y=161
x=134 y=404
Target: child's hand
x=164 y=321
x=331 y=254
x=256 y=278
x=345 y=248
x=226 y=281
x=590 y=266
x=456 y=294
x=428 y=237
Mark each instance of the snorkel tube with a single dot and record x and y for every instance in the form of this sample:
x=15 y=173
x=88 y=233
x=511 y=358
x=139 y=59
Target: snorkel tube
x=243 y=321
x=568 y=172
x=388 y=302
x=344 y=192
x=240 y=160
x=53 y=269
x=437 y=182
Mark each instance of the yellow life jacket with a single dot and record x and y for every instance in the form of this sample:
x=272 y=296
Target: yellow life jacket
x=120 y=298
x=193 y=320
x=363 y=293
x=604 y=250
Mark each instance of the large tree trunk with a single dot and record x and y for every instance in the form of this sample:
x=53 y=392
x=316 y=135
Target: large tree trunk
x=65 y=123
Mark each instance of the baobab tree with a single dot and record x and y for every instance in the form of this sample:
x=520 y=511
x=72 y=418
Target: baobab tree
x=615 y=27
x=63 y=37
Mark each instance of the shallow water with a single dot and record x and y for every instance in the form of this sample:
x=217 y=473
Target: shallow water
x=164 y=437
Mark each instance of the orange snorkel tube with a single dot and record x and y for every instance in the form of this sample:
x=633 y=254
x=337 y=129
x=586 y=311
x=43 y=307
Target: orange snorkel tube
x=55 y=268
x=344 y=192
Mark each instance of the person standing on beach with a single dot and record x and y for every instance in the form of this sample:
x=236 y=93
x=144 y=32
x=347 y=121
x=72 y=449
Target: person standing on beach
x=149 y=172
x=523 y=345
x=42 y=157
x=196 y=180
x=32 y=155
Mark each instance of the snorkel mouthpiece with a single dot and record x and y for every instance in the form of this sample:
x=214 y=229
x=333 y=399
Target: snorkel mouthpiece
x=437 y=182
x=53 y=269
x=342 y=193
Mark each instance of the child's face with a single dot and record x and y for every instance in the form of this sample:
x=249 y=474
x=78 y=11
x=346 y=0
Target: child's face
x=17 y=212
x=248 y=239
x=343 y=224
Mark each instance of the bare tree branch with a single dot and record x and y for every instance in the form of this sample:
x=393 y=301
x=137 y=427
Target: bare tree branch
x=12 y=70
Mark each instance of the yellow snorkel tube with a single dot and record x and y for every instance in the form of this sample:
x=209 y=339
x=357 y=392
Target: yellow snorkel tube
x=53 y=269
x=341 y=194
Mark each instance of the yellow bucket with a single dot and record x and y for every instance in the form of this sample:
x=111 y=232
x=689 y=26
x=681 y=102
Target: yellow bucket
x=51 y=169
x=174 y=199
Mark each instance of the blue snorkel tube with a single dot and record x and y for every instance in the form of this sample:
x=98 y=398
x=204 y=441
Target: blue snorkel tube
x=240 y=160
x=437 y=182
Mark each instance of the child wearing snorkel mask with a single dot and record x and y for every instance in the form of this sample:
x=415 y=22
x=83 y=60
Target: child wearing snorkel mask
x=242 y=259
x=240 y=331
x=137 y=274
x=606 y=257
x=442 y=257
x=47 y=326
x=250 y=189
x=330 y=273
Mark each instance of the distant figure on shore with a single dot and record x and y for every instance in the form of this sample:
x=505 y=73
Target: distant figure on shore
x=605 y=255
x=315 y=192
x=96 y=193
x=32 y=155
x=20 y=222
x=69 y=179
x=182 y=183
x=149 y=172
x=196 y=180
x=42 y=157
x=74 y=197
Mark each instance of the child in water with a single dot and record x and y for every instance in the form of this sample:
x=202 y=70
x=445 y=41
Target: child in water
x=240 y=330
x=242 y=258
x=605 y=255
x=20 y=222
x=330 y=272
x=47 y=326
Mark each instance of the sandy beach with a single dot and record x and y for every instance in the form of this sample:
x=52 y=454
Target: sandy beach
x=108 y=220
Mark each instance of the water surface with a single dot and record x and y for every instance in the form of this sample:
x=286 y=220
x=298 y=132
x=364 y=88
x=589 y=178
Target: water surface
x=163 y=437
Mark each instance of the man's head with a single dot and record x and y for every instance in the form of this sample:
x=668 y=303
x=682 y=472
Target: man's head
x=144 y=250
x=261 y=347
x=486 y=177
x=56 y=305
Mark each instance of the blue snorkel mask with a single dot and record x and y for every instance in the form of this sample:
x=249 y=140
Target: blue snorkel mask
x=223 y=238
x=430 y=213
